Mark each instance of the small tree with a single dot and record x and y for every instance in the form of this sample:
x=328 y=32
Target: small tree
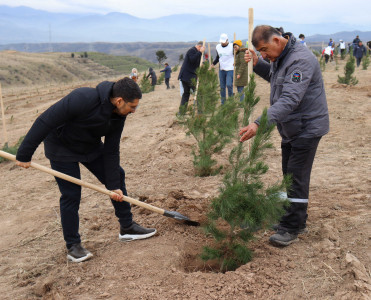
x=161 y=56
x=244 y=204
x=348 y=71
x=210 y=124
x=161 y=79
x=86 y=54
x=11 y=149
x=145 y=85
x=72 y=55
x=366 y=61
x=181 y=58
x=322 y=64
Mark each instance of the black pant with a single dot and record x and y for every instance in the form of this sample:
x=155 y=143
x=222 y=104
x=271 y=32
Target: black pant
x=297 y=160
x=187 y=86
x=358 y=61
x=326 y=58
x=71 y=196
x=167 y=80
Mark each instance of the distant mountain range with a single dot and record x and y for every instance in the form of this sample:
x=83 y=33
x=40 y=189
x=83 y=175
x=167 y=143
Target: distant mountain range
x=26 y=25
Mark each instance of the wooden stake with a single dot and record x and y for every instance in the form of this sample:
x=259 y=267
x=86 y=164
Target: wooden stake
x=251 y=28
x=250 y=65
x=234 y=63
x=201 y=61
x=208 y=44
x=3 y=117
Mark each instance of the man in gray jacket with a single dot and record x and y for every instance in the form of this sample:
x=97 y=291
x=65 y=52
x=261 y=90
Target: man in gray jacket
x=299 y=108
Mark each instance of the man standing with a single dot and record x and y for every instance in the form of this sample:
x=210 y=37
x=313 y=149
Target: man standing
x=358 y=52
x=72 y=131
x=302 y=39
x=356 y=41
x=299 y=108
x=167 y=71
x=188 y=72
x=225 y=57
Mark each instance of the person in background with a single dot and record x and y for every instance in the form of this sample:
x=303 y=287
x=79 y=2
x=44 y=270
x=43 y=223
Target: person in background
x=167 y=71
x=299 y=108
x=72 y=130
x=302 y=41
x=327 y=53
x=331 y=43
x=342 y=47
x=152 y=74
x=358 y=52
x=188 y=72
x=356 y=41
x=225 y=58
x=134 y=74
x=241 y=75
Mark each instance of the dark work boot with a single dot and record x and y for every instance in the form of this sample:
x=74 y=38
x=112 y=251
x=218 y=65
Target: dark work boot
x=135 y=232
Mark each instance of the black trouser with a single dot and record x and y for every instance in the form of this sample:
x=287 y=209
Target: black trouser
x=71 y=196
x=358 y=61
x=167 y=80
x=326 y=58
x=297 y=160
x=187 y=86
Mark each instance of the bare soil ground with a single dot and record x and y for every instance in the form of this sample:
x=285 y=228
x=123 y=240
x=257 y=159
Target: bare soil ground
x=332 y=261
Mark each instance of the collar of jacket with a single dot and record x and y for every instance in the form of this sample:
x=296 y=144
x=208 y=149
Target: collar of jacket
x=291 y=42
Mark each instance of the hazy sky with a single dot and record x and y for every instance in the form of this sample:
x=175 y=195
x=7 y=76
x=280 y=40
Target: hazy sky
x=352 y=12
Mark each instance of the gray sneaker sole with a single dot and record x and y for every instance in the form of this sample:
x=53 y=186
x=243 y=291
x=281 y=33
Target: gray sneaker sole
x=282 y=243
x=133 y=237
x=81 y=259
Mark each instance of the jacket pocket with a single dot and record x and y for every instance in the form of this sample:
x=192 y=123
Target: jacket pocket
x=277 y=88
x=292 y=126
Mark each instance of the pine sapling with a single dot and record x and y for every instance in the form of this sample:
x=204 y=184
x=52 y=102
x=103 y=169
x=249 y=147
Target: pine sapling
x=348 y=71
x=145 y=84
x=245 y=204
x=161 y=79
x=210 y=124
x=366 y=61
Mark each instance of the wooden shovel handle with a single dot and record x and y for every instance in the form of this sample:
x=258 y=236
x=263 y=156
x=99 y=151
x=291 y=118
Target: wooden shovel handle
x=84 y=184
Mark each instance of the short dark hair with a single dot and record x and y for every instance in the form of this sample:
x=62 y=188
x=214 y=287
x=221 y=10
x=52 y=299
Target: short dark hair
x=127 y=89
x=301 y=36
x=200 y=43
x=263 y=33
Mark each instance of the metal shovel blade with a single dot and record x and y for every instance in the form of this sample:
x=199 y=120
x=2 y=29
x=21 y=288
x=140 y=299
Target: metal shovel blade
x=178 y=216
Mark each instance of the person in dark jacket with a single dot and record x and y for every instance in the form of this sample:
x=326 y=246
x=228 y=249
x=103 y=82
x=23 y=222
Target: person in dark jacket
x=167 y=71
x=299 y=108
x=358 y=52
x=72 y=131
x=152 y=74
x=188 y=72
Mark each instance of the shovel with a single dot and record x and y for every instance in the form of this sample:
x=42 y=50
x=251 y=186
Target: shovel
x=170 y=214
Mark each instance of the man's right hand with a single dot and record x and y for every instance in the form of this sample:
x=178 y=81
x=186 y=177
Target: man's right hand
x=251 y=55
x=25 y=165
x=117 y=196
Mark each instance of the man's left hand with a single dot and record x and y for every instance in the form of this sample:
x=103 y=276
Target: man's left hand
x=248 y=132
x=118 y=196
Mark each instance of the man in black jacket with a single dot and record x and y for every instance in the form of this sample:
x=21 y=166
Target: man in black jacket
x=72 y=130
x=188 y=72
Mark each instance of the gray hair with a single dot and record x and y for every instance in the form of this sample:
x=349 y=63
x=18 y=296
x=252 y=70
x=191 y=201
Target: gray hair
x=200 y=43
x=263 y=33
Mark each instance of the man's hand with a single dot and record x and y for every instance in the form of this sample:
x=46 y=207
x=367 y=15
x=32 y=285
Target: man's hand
x=118 y=196
x=25 y=165
x=238 y=76
x=251 y=55
x=248 y=132
x=202 y=49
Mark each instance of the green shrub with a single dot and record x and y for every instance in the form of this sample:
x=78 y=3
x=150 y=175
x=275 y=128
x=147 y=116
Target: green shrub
x=348 y=71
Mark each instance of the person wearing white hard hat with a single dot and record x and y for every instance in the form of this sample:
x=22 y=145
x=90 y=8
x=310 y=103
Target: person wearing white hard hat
x=225 y=58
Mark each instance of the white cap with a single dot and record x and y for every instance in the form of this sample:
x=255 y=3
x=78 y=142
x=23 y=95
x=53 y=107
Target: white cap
x=223 y=38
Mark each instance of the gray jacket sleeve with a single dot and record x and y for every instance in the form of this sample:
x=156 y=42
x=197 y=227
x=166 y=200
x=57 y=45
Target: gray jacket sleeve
x=290 y=90
x=263 y=69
